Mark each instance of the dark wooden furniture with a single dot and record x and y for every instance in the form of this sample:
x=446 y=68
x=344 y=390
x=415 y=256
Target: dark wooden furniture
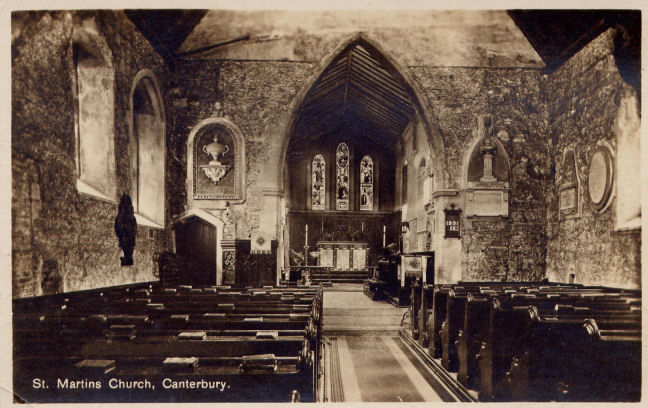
x=264 y=340
x=534 y=341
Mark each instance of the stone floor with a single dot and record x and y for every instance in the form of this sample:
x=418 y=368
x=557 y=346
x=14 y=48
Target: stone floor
x=371 y=361
x=378 y=368
x=351 y=310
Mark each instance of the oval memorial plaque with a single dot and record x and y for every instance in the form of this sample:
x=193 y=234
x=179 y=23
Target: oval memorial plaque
x=600 y=178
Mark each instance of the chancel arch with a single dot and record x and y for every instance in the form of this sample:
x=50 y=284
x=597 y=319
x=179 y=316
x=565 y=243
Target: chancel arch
x=348 y=125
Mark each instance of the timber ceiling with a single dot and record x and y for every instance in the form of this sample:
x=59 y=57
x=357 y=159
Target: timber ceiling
x=166 y=30
x=360 y=94
x=557 y=35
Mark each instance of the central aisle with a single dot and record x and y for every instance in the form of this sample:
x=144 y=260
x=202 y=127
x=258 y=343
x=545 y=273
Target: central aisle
x=366 y=361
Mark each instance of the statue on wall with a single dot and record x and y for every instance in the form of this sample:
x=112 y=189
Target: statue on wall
x=126 y=229
x=52 y=282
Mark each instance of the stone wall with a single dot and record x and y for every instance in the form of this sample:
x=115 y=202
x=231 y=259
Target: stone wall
x=584 y=98
x=496 y=247
x=535 y=117
x=254 y=95
x=51 y=221
x=258 y=96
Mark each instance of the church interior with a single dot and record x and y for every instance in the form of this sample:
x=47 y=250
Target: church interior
x=326 y=206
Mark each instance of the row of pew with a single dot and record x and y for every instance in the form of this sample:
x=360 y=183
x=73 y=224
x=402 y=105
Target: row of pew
x=533 y=341
x=263 y=342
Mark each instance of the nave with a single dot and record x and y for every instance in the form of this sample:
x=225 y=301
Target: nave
x=365 y=358
x=320 y=206
x=471 y=341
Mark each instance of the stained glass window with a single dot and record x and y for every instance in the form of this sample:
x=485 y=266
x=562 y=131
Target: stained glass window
x=319 y=183
x=366 y=183
x=342 y=177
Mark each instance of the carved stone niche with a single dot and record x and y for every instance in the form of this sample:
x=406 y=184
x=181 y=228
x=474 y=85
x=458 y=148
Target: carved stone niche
x=569 y=196
x=215 y=163
x=486 y=175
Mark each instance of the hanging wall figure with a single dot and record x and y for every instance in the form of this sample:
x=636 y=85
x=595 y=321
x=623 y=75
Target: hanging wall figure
x=126 y=229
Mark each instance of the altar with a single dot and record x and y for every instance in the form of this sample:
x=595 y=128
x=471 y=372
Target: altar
x=343 y=255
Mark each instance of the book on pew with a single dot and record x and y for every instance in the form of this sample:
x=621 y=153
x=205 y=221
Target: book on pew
x=121 y=332
x=259 y=362
x=91 y=366
x=267 y=334
x=214 y=315
x=229 y=306
x=176 y=364
x=142 y=292
x=128 y=318
x=199 y=335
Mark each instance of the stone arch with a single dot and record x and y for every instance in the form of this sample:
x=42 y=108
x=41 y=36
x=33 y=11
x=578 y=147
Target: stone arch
x=418 y=99
x=93 y=89
x=468 y=154
x=145 y=85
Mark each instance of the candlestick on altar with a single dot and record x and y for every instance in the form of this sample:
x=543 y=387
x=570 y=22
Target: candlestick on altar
x=306 y=237
x=384 y=235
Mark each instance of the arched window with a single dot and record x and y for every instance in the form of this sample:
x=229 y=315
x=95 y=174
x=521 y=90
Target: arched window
x=94 y=91
x=318 y=183
x=147 y=141
x=342 y=177
x=366 y=183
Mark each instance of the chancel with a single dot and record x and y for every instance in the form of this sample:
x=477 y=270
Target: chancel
x=326 y=206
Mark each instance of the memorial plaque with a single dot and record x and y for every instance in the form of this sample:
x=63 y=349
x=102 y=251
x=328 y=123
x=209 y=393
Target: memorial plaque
x=600 y=178
x=568 y=198
x=488 y=203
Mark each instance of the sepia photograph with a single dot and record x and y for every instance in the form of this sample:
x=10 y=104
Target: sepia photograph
x=325 y=205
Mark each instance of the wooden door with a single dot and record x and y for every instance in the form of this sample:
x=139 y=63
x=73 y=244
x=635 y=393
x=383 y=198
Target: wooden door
x=196 y=248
